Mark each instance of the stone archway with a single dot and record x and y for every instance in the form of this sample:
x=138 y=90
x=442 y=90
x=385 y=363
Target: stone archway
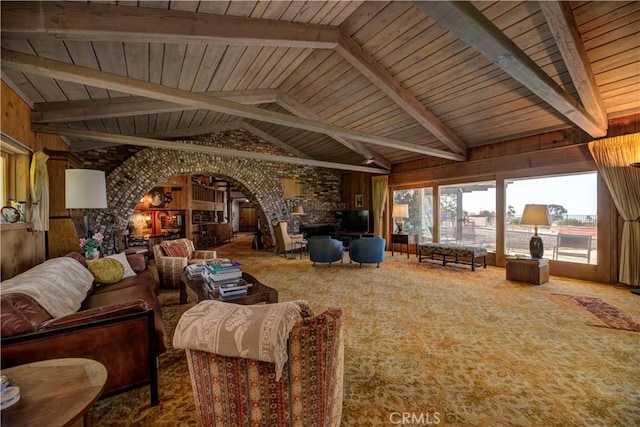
x=141 y=172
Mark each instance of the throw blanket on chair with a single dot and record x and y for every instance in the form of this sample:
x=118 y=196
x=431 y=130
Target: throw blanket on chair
x=59 y=285
x=258 y=332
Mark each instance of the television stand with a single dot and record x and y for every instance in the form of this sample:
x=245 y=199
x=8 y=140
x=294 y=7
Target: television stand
x=347 y=236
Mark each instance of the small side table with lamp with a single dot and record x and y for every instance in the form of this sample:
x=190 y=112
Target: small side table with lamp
x=400 y=212
x=533 y=270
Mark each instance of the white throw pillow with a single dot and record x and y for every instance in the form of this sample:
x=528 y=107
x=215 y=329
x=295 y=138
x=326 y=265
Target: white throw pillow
x=122 y=258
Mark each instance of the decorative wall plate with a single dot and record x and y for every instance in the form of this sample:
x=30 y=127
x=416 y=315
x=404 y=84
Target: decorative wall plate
x=10 y=214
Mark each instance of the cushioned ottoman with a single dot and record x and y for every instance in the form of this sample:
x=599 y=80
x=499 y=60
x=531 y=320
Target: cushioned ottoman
x=454 y=252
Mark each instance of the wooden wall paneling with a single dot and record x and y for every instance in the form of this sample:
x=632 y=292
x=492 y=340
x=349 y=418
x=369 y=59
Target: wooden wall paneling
x=16 y=117
x=57 y=164
x=356 y=183
x=21 y=250
x=573 y=158
x=22 y=189
x=62 y=237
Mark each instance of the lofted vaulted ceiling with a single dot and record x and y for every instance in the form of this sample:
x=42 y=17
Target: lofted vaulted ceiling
x=336 y=84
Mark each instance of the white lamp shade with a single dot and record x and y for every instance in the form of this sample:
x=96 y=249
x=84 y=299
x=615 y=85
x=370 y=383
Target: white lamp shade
x=85 y=189
x=297 y=210
x=535 y=215
x=400 y=211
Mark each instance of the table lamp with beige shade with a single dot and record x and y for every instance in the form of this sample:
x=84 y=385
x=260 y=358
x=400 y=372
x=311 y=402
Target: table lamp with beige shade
x=85 y=189
x=400 y=212
x=536 y=215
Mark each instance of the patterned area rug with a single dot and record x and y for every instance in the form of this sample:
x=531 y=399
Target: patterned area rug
x=610 y=315
x=428 y=342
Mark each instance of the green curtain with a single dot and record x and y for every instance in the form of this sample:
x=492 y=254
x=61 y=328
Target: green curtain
x=379 y=186
x=613 y=157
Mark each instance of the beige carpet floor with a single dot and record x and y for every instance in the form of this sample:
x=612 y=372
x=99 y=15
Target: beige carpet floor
x=440 y=345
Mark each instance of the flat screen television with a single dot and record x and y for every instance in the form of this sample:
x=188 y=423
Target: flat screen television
x=354 y=221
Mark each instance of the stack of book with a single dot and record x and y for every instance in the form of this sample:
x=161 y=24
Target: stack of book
x=224 y=270
x=224 y=277
x=194 y=271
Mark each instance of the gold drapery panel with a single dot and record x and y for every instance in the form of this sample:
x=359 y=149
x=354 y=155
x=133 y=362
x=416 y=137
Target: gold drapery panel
x=379 y=186
x=39 y=180
x=614 y=156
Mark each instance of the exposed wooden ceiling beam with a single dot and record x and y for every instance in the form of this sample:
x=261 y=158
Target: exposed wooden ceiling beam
x=105 y=22
x=476 y=30
x=60 y=70
x=293 y=106
x=193 y=131
x=73 y=111
x=85 y=145
x=372 y=70
x=196 y=148
x=273 y=140
x=76 y=21
x=564 y=28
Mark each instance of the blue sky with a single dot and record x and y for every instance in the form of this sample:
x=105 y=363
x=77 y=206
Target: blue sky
x=577 y=193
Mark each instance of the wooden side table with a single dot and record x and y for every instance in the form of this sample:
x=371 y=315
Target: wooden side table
x=303 y=246
x=528 y=270
x=56 y=392
x=404 y=239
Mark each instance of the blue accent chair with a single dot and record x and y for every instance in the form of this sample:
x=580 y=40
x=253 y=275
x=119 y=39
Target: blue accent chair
x=367 y=250
x=324 y=249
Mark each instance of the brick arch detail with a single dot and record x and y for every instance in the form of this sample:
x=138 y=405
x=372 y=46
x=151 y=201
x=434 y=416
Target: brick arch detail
x=137 y=175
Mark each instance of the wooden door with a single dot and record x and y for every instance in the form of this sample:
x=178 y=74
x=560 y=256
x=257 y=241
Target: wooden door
x=248 y=217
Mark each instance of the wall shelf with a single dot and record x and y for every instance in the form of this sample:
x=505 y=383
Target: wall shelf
x=16 y=226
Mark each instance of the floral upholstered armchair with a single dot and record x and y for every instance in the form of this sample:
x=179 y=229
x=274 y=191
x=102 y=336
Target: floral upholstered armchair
x=302 y=388
x=172 y=256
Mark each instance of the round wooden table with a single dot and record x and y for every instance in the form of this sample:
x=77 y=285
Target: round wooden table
x=57 y=392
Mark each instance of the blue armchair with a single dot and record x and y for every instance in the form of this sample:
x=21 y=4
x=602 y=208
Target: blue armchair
x=325 y=249
x=367 y=250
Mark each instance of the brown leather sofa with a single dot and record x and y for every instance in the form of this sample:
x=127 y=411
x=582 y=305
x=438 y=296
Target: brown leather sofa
x=119 y=325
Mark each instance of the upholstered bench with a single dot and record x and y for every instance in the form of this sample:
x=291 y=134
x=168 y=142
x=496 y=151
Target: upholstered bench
x=454 y=252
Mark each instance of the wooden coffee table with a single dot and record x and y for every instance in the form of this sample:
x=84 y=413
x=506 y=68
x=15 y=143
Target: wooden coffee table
x=257 y=292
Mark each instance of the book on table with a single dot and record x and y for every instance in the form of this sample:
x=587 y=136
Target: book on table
x=223 y=269
x=194 y=271
x=233 y=291
x=223 y=265
x=225 y=288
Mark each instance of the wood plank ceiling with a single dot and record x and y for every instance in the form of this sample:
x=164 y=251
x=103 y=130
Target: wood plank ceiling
x=347 y=82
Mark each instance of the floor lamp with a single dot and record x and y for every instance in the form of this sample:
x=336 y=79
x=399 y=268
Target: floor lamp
x=85 y=189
